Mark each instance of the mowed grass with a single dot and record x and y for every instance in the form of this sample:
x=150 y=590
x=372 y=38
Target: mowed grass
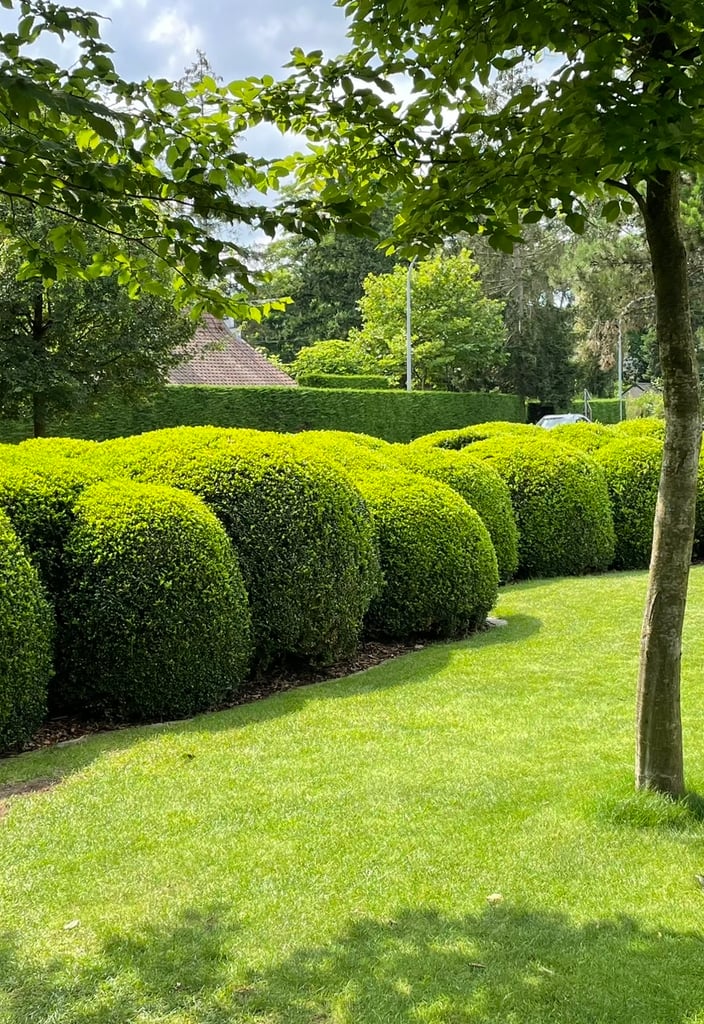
x=445 y=839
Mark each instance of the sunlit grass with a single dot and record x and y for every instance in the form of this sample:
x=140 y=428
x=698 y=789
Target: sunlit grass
x=326 y=855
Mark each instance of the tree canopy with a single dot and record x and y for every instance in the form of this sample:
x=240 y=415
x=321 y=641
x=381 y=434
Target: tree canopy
x=69 y=345
x=150 y=165
x=457 y=333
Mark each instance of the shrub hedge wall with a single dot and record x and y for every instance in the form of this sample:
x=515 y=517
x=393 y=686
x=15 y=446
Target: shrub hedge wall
x=560 y=501
x=437 y=558
x=632 y=470
x=301 y=531
x=439 y=565
x=481 y=487
x=26 y=630
x=156 y=621
x=393 y=415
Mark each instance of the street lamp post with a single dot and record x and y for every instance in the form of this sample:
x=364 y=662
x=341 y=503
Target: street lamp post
x=409 y=351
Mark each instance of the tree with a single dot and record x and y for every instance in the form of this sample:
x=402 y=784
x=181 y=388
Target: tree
x=619 y=119
x=148 y=164
x=70 y=345
x=457 y=333
x=538 y=311
x=324 y=281
x=333 y=356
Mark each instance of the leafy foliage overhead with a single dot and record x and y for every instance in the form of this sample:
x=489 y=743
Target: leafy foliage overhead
x=625 y=102
x=147 y=163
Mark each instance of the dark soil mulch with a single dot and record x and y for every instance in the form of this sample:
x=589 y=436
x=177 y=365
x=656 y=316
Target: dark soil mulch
x=66 y=730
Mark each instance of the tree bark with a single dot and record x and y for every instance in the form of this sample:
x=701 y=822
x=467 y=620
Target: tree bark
x=659 y=760
x=39 y=402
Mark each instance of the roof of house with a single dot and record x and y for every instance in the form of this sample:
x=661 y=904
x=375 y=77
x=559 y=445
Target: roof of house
x=216 y=355
x=641 y=387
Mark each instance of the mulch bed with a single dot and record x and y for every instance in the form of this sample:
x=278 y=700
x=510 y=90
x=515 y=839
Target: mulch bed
x=65 y=730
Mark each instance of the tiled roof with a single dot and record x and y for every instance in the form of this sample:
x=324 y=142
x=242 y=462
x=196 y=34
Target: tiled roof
x=217 y=356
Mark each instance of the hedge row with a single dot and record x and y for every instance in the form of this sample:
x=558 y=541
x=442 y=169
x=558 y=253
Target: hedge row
x=181 y=560
x=393 y=415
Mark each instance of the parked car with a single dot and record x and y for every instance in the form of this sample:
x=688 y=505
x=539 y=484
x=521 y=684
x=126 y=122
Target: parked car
x=560 y=418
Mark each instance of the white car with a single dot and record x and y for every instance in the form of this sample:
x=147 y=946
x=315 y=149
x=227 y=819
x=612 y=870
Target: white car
x=559 y=419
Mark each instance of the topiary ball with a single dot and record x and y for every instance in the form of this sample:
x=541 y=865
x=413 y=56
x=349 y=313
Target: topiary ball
x=645 y=426
x=560 y=501
x=439 y=565
x=456 y=440
x=26 y=637
x=156 y=621
x=632 y=470
x=40 y=503
x=481 y=487
x=586 y=437
x=302 y=532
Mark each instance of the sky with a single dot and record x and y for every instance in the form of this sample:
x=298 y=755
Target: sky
x=240 y=37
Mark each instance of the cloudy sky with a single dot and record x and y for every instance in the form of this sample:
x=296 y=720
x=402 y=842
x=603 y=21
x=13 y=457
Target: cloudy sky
x=239 y=37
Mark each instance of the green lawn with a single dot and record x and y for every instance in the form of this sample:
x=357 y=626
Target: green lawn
x=326 y=855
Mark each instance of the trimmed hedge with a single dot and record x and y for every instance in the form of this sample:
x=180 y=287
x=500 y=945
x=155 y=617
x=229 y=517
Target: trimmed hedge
x=586 y=437
x=300 y=528
x=436 y=555
x=604 y=410
x=393 y=415
x=357 y=381
x=156 y=619
x=481 y=487
x=40 y=504
x=632 y=470
x=647 y=426
x=456 y=440
x=26 y=635
x=560 y=501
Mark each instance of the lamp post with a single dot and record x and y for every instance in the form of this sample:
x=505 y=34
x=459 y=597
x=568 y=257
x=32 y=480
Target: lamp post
x=409 y=351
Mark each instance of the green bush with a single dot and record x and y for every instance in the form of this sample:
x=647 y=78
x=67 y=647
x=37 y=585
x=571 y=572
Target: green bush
x=39 y=449
x=436 y=555
x=632 y=471
x=603 y=410
x=394 y=415
x=358 y=381
x=300 y=528
x=156 y=622
x=586 y=437
x=25 y=643
x=560 y=501
x=40 y=504
x=647 y=426
x=481 y=487
x=456 y=440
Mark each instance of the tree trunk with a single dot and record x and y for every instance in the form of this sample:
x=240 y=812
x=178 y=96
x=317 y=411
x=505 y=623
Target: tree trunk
x=39 y=402
x=659 y=761
x=39 y=414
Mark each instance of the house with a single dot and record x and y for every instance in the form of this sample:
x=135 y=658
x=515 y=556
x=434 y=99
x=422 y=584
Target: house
x=219 y=357
x=638 y=389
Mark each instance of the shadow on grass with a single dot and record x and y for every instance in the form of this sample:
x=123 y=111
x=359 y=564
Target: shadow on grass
x=504 y=964
x=61 y=761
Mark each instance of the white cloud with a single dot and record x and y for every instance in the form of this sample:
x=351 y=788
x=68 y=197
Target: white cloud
x=170 y=29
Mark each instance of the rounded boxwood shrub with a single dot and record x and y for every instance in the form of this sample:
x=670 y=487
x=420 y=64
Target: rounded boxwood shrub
x=40 y=504
x=301 y=530
x=439 y=564
x=40 y=448
x=156 y=621
x=26 y=636
x=481 y=487
x=586 y=437
x=632 y=471
x=560 y=501
x=455 y=440
x=645 y=426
